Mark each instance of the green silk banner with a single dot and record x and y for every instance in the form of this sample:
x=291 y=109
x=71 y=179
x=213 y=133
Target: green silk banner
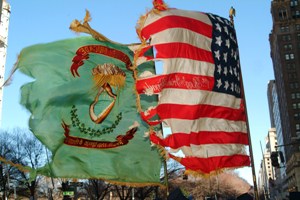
x=82 y=102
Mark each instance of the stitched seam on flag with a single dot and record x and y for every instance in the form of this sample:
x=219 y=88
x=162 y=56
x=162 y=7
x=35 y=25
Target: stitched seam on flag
x=175 y=80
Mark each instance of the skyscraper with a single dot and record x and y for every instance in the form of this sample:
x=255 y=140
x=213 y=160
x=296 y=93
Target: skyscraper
x=281 y=179
x=285 y=53
x=4 y=22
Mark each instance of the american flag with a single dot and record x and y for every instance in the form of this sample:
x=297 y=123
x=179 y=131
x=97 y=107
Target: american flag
x=199 y=90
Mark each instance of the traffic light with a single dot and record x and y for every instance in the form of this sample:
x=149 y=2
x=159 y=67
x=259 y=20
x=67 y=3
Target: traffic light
x=274 y=159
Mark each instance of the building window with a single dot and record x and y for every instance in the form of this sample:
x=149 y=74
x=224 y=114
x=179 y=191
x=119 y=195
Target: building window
x=289 y=56
x=294 y=106
x=291 y=66
x=288 y=47
x=292 y=76
x=295 y=95
x=292 y=56
x=285 y=29
x=296 y=14
x=282 y=14
x=294 y=3
x=294 y=85
x=297 y=127
x=286 y=37
x=297 y=27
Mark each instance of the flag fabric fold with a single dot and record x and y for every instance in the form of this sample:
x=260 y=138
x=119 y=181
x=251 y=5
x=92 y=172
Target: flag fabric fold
x=200 y=89
x=83 y=109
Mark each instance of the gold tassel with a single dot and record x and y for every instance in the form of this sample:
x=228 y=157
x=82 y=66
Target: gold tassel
x=77 y=27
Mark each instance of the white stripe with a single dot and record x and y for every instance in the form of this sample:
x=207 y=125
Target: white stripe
x=188 y=66
x=212 y=150
x=196 y=97
x=205 y=124
x=183 y=36
x=152 y=17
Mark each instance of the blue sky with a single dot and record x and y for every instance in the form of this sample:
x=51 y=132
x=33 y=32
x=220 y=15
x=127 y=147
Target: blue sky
x=34 y=22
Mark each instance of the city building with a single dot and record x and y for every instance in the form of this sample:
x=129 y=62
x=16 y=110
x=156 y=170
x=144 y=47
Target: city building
x=285 y=53
x=281 y=179
x=267 y=174
x=4 y=17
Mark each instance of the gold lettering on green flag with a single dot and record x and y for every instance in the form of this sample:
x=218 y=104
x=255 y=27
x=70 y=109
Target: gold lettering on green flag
x=82 y=102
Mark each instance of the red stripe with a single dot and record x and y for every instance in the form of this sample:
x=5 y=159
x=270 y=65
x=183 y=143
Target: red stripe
x=175 y=80
x=207 y=165
x=176 y=22
x=178 y=140
x=183 y=50
x=191 y=112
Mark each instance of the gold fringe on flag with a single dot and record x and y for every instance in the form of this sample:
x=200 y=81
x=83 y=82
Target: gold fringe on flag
x=18 y=166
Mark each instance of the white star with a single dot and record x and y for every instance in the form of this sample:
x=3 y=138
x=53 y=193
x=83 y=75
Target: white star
x=228 y=43
x=235 y=72
x=219 y=40
x=232 y=87
x=220 y=19
x=226 y=29
x=225 y=71
x=235 y=55
x=238 y=64
x=219 y=69
x=217 y=54
x=225 y=57
x=218 y=27
x=230 y=70
x=212 y=16
x=232 y=52
x=219 y=84
x=226 y=85
x=231 y=37
x=237 y=89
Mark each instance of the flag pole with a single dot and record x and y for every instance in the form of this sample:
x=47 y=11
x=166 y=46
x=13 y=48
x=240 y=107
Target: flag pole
x=166 y=177
x=231 y=16
x=164 y=157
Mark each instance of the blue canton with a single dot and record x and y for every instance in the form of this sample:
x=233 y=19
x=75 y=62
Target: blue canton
x=226 y=57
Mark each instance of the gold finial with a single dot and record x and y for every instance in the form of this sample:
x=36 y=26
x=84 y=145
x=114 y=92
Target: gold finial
x=231 y=14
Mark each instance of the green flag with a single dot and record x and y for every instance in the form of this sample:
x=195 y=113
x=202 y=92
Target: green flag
x=83 y=108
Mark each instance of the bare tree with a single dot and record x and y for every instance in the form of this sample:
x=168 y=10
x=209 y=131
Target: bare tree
x=227 y=185
x=5 y=170
x=25 y=150
x=97 y=189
